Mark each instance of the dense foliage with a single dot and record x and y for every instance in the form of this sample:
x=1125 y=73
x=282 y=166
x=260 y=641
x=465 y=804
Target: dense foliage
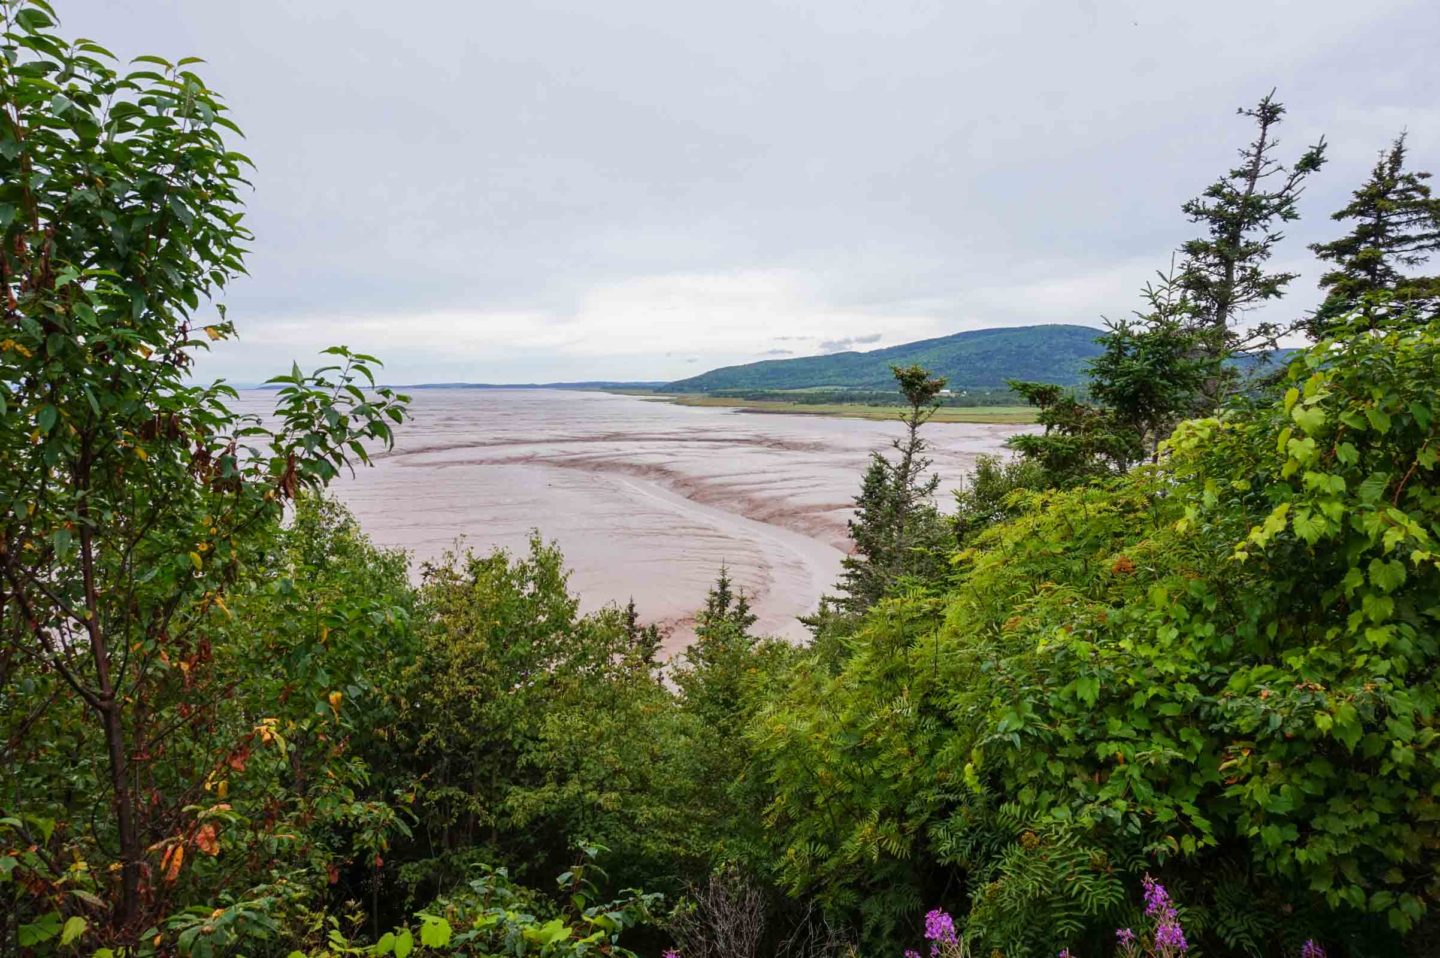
x=1185 y=644
x=534 y=728
x=134 y=500
x=1223 y=665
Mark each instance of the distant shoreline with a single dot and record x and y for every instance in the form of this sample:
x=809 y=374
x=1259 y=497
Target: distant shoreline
x=1014 y=415
x=981 y=415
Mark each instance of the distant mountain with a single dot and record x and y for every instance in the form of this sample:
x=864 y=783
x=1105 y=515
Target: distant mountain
x=979 y=359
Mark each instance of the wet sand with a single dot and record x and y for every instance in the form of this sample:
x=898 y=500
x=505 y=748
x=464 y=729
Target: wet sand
x=647 y=499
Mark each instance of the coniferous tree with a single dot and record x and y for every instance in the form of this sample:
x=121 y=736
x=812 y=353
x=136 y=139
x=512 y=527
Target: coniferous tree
x=726 y=608
x=713 y=671
x=1153 y=372
x=1397 y=226
x=1225 y=272
x=897 y=530
x=1079 y=440
x=722 y=679
x=644 y=639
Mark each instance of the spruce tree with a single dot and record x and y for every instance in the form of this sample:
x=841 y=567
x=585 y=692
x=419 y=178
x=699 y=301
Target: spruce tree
x=1397 y=226
x=1225 y=272
x=1079 y=441
x=710 y=672
x=1155 y=370
x=727 y=610
x=645 y=640
x=897 y=530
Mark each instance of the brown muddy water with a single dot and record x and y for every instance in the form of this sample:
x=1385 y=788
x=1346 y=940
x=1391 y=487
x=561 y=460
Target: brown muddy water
x=645 y=498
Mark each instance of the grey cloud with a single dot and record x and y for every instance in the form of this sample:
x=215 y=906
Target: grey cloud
x=849 y=342
x=777 y=352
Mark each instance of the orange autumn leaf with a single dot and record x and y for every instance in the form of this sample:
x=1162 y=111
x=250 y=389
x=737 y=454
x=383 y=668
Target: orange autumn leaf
x=207 y=840
x=174 y=858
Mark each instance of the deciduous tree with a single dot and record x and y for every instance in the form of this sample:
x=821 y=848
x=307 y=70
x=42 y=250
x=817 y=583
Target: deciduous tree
x=131 y=494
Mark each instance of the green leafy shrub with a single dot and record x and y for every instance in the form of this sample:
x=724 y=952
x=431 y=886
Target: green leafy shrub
x=1222 y=667
x=490 y=916
x=533 y=728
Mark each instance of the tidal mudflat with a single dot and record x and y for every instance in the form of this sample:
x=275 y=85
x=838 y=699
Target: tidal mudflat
x=646 y=498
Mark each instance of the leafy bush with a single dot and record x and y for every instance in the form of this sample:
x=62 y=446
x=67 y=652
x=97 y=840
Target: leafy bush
x=533 y=728
x=1223 y=667
x=231 y=725
x=490 y=916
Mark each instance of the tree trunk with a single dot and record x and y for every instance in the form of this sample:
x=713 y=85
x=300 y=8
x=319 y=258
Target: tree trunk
x=111 y=719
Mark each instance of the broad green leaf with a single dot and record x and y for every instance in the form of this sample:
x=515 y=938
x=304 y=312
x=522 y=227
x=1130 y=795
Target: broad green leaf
x=40 y=930
x=74 y=927
x=1308 y=526
x=547 y=934
x=1309 y=418
x=32 y=20
x=1388 y=575
x=434 y=932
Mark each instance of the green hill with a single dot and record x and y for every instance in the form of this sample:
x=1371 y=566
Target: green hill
x=979 y=359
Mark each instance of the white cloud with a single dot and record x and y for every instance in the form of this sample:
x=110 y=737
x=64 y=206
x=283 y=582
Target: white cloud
x=678 y=319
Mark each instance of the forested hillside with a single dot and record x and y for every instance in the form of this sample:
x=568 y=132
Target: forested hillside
x=980 y=359
x=1165 y=681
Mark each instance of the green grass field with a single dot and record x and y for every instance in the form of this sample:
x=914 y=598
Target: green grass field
x=1004 y=415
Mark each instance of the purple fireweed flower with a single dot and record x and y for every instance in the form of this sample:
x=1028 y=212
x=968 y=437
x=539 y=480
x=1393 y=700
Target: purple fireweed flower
x=940 y=927
x=1311 y=950
x=1169 y=935
x=1157 y=900
x=1065 y=953
x=669 y=953
x=1170 y=938
x=911 y=953
x=1125 y=936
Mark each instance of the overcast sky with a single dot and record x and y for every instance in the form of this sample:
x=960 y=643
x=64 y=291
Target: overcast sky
x=534 y=190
